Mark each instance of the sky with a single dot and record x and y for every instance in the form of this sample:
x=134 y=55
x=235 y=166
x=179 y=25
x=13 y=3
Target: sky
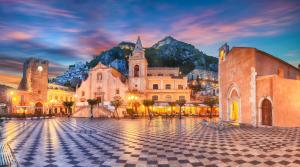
x=69 y=31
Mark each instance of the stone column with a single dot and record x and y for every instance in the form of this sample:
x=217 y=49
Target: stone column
x=220 y=93
x=252 y=97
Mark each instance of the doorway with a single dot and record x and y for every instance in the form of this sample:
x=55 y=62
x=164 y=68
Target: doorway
x=266 y=112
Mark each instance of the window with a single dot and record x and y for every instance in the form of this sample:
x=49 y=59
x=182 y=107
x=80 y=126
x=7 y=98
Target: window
x=50 y=97
x=136 y=70
x=71 y=98
x=56 y=98
x=39 y=92
x=82 y=93
x=149 y=74
x=160 y=74
x=155 y=98
x=117 y=91
x=66 y=98
x=168 y=98
x=168 y=86
x=180 y=86
x=99 y=76
x=181 y=98
x=155 y=86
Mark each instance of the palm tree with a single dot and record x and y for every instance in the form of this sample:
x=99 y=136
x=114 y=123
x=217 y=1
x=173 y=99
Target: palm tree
x=211 y=102
x=180 y=102
x=147 y=104
x=117 y=103
x=136 y=104
x=172 y=104
x=68 y=105
x=92 y=103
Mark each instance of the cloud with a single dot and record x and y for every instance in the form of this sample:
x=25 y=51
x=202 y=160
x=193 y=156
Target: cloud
x=41 y=9
x=14 y=66
x=19 y=35
x=264 y=23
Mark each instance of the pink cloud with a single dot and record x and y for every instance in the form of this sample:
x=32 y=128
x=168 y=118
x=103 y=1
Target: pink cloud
x=19 y=35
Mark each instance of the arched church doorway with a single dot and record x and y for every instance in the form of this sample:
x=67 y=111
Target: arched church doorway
x=234 y=114
x=38 y=108
x=234 y=106
x=266 y=112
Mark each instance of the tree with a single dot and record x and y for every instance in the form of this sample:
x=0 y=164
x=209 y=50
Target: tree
x=147 y=104
x=172 y=104
x=68 y=105
x=136 y=104
x=92 y=103
x=117 y=103
x=181 y=103
x=211 y=102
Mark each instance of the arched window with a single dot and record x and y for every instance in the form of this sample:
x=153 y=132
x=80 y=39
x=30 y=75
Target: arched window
x=136 y=70
x=99 y=76
x=155 y=98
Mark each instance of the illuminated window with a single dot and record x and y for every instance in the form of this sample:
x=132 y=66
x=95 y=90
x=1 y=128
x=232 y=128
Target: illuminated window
x=56 y=97
x=155 y=98
x=168 y=98
x=50 y=97
x=168 y=86
x=155 y=86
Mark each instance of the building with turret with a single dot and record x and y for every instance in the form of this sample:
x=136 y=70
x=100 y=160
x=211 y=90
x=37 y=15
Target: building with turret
x=34 y=94
x=160 y=84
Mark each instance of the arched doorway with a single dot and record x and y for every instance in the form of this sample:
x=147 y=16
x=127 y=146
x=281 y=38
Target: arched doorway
x=266 y=112
x=38 y=108
x=234 y=108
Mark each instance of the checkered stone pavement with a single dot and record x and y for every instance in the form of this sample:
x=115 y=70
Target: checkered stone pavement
x=140 y=142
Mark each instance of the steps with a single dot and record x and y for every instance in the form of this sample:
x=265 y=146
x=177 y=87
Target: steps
x=98 y=112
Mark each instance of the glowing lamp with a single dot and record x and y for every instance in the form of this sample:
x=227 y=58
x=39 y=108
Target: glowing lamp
x=40 y=68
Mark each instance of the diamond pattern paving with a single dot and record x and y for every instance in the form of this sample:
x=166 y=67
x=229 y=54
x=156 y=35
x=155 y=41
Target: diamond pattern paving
x=140 y=142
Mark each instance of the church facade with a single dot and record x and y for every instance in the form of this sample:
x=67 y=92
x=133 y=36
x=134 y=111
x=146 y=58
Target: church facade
x=257 y=88
x=161 y=84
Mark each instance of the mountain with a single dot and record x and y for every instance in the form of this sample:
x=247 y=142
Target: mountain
x=167 y=52
x=173 y=53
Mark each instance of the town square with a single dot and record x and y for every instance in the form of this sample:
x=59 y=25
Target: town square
x=149 y=83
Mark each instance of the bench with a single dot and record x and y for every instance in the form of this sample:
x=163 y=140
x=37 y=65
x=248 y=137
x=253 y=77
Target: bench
x=6 y=156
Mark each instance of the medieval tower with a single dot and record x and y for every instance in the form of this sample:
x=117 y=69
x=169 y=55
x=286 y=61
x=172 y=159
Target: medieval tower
x=138 y=68
x=35 y=80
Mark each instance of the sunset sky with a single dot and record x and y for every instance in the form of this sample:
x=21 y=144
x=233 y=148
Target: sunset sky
x=69 y=31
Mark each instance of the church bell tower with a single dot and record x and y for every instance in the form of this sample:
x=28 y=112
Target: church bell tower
x=137 y=68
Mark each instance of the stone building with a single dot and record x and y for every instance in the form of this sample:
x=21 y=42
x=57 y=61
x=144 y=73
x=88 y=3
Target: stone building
x=257 y=88
x=33 y=93
x=161 y=84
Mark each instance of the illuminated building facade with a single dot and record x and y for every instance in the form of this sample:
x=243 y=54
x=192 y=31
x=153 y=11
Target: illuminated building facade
x=161 y=84
x=33 y=95
x=257 y=88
